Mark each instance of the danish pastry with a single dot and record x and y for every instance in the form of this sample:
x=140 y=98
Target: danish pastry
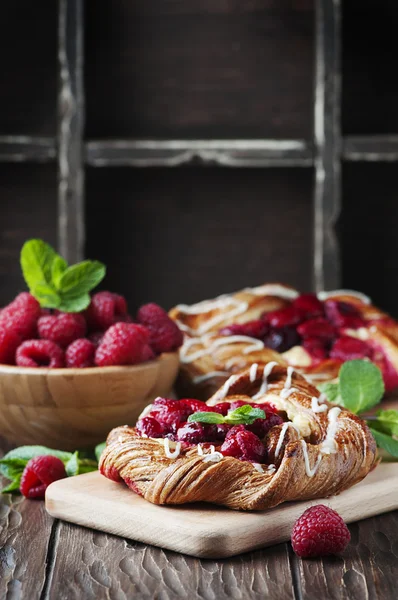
x=313 y=333
x=300 y=447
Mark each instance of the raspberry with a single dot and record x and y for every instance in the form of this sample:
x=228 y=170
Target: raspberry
x=40 y=353
x=256 y=329
x=284 y=317
x=21 y=315
x=343 y=314
x=165 y=335
x=349 y=348
x=105 y=310
x=9 y=342
x=319 y=328
x=222 y=408
x=244 y=445
x=122 y=344
x=150 y=427
x=62 y=328
x=317 y=347
x=147 y=353
x=194 y=433
x=262 y=426
x=39 y=473
x=196 y=405
x=170 y=413
x=80 y=354
x=318 y=532
x=96 y=337
x=282 y=339
x=309 y=305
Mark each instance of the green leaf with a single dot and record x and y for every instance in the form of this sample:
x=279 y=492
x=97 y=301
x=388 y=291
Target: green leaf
x=36 y=262
x=47 y=297
x=386 y=442
x=12 y=468
x=72 y=466
x=206 y=417
x=76 y=304
x=87 y=465
x=28 y=452
x=361 y=385
x=13 y=486
x=331 y=391
x=81 y=278
x=386 y=421
x=59 y=265
x=244 y=415
x=99 y=450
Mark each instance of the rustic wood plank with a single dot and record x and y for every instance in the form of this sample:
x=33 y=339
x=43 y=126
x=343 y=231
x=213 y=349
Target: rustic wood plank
x=96 y=566
x=371 y=148
x=327 y=143
x=25 y=533
x=23 y=148
x=70 y=131
x=367 y=569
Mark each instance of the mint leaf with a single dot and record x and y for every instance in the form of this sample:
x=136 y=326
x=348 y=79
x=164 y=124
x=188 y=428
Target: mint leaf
x=36 y=261
x=79 y=279
x=386 y=442
x=59 y=265
x=72 y=466
x=28 y=452
x=76 y=304
x=87 y=465
x=331 y=391
x=206 y=417
x=13 y=486
x=361 y=385
x=99 y=450
x=244 y=415
x=46 y=296
x=386 y=421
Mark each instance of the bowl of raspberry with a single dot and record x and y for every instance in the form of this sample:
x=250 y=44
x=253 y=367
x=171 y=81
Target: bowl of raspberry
x=67 y=378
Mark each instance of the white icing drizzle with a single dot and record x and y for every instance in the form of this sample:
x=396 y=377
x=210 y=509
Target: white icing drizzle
x=258 y=467
x=253 y=372
x=282 y=434
x=238 y=307
x=266 y=373
x=271 y=469
x=171 y=453
x=328 y=446
x=315 y=405
x=310 y=472
x=273 y=289
x=225 y=388
x=359 y=295
x=200 y=450
x=286 y=393
x=209 y=375
x=287 y=389
x=146 y=411
x=213 y=457
x=253 y=346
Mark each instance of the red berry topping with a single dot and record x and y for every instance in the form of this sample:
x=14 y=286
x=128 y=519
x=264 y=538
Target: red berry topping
x=256 y=329
x=317 y=347
x=122 y=344
x=39 y=473
x=105 y=310
x=244 y=445
x=21 y=315
x=62 y=328
x=196 y=405
x=150 y=427
x=195 y=433
x=309 y=305
x=222 y=408
x=318 y=532
x=319 y=328
x=343 y=314
x=170 y=413
x=165 y=335
x=9 y=342
x=262 y=426
x=282 y=339
x=284 y=317
x=80 y=354
x=40 y=353
x=349 y=348
x=147 y=353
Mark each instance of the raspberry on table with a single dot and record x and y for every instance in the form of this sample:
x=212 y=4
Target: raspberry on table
x=122 y=344
x=62 y=328
x=80 y=354
x=105 y=310
x=165 y=336
x=39 y=353
x=318 y=532
x=39 y=473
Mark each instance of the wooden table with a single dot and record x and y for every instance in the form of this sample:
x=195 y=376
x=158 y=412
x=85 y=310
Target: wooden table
x=42 y=558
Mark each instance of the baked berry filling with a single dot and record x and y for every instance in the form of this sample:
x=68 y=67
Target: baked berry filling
x=169 y=419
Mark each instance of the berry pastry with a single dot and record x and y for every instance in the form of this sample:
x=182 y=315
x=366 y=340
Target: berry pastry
x=314 y=334
x=267 y=436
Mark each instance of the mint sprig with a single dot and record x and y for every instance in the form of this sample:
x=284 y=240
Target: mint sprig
x=243 y=415
x=360 y=388
x=14 y=462
x=55 y=284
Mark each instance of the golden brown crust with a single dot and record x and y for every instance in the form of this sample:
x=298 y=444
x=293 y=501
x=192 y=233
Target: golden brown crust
x=142 y=462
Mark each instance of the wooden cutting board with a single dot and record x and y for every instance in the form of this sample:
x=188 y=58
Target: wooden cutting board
x=205 y=530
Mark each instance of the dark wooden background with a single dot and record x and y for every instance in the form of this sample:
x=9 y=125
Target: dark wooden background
x=202 y=69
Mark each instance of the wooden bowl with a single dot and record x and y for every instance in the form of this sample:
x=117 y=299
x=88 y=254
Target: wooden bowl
x=68 y=409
